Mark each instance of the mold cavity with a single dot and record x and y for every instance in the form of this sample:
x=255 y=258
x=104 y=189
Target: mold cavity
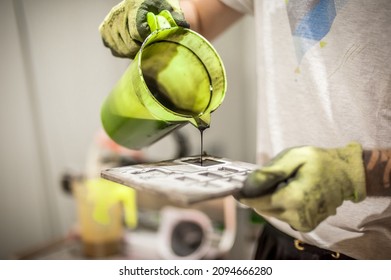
x=205 y=161
x=211 y=175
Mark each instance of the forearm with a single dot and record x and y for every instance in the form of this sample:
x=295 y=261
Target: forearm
x=377 y=165
x=209 y=17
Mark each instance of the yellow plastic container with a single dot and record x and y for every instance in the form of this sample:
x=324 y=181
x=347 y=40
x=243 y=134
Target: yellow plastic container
x=104 y=209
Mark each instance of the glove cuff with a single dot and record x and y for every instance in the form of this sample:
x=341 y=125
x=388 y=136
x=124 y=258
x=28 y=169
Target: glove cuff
x=352 y=154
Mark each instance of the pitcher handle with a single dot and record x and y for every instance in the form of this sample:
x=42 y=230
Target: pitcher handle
x=163 y=20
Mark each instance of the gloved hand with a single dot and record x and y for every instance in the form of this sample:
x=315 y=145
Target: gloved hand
x=303 y=186
x=125 y=28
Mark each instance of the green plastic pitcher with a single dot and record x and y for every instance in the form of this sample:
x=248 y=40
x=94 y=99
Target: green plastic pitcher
x=176 y=78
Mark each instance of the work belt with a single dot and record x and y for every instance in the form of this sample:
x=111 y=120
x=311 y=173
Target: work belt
x=276 y=245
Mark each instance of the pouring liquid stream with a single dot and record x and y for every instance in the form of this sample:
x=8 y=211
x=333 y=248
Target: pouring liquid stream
x=202 y=144
x=201 y=127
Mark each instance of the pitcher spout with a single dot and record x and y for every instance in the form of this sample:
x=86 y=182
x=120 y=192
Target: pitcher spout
x=201 y=122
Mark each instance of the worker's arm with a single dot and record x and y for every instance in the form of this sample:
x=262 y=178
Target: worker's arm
x=125 y=27
x=378 y=172
x=304 y=185
x=209 y=17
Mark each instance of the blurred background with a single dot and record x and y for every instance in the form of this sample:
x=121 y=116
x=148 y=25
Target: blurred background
x=55 y=74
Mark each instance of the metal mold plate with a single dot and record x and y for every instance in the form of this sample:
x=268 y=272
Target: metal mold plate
x=184 y=180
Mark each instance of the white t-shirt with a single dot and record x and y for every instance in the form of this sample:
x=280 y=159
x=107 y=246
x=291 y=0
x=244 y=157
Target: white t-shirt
x=324 y=79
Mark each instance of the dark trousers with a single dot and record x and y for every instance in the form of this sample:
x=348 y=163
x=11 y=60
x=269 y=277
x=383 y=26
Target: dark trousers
x=276 y=245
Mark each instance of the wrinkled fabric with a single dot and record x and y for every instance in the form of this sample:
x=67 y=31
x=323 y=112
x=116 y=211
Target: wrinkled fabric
x=324 y=79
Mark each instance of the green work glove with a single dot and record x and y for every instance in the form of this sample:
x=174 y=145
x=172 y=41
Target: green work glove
x=125 y=28
x=303 y=186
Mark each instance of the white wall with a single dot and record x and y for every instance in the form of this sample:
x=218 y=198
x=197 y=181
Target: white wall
x=55 y=73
